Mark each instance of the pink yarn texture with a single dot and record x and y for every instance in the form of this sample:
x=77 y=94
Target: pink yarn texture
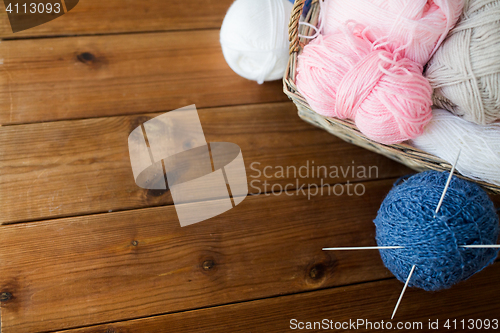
x=345 y=75
x=414 y=27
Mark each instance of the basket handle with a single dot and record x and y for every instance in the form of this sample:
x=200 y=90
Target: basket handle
x=293 y=26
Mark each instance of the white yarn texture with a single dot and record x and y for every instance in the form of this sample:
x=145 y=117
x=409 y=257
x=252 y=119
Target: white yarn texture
x=254 y=38
x=465 y=70
x=446 y=134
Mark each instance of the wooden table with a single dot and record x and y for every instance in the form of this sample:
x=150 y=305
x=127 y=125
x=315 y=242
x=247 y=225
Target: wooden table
x=83 y=249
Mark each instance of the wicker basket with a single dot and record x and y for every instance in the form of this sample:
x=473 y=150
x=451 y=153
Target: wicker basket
x=345 y=129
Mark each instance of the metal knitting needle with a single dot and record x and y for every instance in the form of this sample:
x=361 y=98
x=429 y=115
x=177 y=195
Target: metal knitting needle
x=403 y=292
x=362 y=248
x=494 y=246
x=447 y=183
x=400 y=247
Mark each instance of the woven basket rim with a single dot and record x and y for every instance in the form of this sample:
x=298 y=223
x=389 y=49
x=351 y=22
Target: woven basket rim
x=402 y=152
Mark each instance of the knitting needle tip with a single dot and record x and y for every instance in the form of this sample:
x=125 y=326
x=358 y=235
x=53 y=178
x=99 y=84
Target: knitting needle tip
x=488 y=246
x=447 y=183
x=362 y=248
x=403 y=292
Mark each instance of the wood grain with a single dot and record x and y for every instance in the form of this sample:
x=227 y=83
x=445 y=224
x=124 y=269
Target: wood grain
x=115 y=16
x=87 y=270
x=476 y=298
x=69 y=168
x=85 y=77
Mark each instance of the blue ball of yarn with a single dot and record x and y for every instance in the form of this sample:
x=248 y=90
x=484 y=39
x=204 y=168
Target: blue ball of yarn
x=431 y=241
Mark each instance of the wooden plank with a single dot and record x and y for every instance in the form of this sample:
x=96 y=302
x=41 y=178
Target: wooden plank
x=70 y=168
x=115 y=16
x=84 y=77
x=476 y=298
x=76 y=272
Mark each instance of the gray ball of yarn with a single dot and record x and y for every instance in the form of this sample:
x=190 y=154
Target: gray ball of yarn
x=465 y=70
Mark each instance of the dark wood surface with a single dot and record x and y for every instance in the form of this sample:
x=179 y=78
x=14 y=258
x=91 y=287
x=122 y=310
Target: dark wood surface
x=125 y=16
x=371 y=302
x=85 y=270
x=83 y=249
x=83 y=166
x=51 y=78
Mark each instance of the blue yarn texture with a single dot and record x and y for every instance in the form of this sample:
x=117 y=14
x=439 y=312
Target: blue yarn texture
x=406 y=218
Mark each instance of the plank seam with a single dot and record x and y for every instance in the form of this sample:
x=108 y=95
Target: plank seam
x=153 y=113
x=56 y=218
x=106 y=34
x=225 y=304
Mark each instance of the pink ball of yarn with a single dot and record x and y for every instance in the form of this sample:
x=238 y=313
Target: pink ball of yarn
x=414 y=27
x=344 y=75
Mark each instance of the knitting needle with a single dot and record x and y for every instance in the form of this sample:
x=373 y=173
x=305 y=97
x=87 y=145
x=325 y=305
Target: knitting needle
x=447 y=183
x=401 y=247
x=495 y=246
x=403 y=292
x=362 y=248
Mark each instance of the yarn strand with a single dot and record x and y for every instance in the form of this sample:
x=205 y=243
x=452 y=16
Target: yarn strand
x=465 y=70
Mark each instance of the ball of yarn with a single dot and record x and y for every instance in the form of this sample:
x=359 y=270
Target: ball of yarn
x=479 y=145
x=344 y=75
x=254 y=38
x=432 y=242
x=465 y=71
x=415 y=27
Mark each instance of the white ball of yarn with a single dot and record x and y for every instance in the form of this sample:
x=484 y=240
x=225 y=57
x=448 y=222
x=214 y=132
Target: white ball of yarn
x=254 y=38
x=479 y=158
x=465 y=71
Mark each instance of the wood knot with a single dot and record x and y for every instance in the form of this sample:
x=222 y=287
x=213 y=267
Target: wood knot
x=86 y=57
x=135 y=243
x=5 y=296
x=317 y=272
x=208 y=265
